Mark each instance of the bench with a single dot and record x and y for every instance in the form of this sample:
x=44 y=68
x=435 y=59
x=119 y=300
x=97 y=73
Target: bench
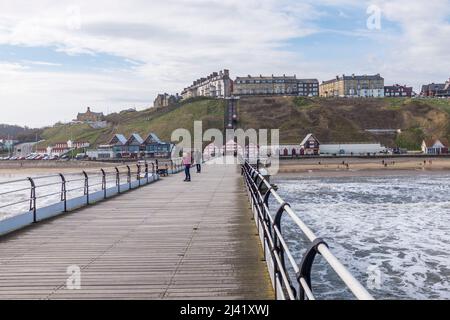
x=163 y=172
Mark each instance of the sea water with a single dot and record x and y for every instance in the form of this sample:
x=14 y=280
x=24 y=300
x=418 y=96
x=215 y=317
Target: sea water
x=392 y=232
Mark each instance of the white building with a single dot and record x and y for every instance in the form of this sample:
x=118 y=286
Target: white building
x=355 y=149
x=435 y=146
x=24 y=149
x=216 y=85
x=103 y=152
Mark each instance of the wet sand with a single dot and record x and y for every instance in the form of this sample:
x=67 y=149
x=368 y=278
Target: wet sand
x=49 y=167
x=363 y=167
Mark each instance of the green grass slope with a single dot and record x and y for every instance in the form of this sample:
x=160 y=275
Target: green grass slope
x=344 y=120
x=332 y=120
x=162 y=121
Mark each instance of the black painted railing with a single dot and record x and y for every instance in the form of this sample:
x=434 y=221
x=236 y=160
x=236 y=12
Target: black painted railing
x=278 y=253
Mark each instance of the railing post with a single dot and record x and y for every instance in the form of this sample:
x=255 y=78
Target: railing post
x=138 y=173
x=63 y=191
x=33 y=199
x=306 y=266
x=146 y=170
x=153 y=170
x=129 y=176
x=277 y=224
x=86 y=186
x=118 y=180
x=103 y=183
x=279 y=250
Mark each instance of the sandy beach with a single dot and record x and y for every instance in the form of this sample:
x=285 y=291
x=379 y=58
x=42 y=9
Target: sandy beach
x=363 y=167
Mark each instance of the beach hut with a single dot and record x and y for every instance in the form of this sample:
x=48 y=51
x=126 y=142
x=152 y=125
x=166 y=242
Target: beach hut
x=310 y=145
x=435 y=146
x=153 y=147
x=133 y=146
x=117 y=143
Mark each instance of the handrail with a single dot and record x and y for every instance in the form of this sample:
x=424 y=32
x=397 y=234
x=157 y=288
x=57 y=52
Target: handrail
x=260 y=190
x=86 y=182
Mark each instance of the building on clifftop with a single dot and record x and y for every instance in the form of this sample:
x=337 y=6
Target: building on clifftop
x=90 y=116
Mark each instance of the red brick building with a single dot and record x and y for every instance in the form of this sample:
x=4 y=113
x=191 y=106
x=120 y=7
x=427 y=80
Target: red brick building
x=436 y=90
x=398 y=91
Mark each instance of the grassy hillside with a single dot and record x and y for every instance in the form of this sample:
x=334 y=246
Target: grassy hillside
x=161 y=121
x=344 y=120
x=332 y=120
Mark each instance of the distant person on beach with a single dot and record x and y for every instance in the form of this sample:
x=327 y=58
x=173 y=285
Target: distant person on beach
x=187 y=161
x=198 y=160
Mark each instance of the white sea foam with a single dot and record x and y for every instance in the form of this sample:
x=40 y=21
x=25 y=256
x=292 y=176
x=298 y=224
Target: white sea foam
x=401 y=225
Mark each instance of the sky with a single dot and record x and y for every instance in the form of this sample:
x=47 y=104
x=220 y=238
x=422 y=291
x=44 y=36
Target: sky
x=59 y=57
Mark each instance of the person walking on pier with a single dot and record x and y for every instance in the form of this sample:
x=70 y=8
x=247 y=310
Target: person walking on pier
x=198 y=160
x=187 y=161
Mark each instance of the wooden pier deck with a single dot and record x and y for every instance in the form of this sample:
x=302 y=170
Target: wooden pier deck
x=169 y=240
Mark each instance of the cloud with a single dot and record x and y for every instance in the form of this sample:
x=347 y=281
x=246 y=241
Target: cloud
x=167 y=44
x=421 y=48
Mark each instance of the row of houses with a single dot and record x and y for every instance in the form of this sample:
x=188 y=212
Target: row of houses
x=440 y=90
x=311 y=146
x=220 y=85
x=135 y=147
x=216 y=85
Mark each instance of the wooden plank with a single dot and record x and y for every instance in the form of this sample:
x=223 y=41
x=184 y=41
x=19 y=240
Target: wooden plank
x=169 y=240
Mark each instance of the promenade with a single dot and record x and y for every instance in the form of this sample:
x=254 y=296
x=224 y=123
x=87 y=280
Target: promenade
x=168 y=240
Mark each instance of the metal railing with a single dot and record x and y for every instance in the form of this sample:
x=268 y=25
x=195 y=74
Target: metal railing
x=86 y=183
x=276 y=249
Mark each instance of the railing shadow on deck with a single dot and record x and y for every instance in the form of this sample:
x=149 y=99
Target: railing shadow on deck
x=276 y=249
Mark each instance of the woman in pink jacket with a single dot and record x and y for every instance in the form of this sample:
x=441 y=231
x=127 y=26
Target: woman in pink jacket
x=187 y=161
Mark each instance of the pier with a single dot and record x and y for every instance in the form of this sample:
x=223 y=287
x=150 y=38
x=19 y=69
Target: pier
x=167 y=240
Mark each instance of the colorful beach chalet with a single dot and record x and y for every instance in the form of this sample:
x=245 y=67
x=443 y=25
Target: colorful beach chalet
x=118 y=145
x=135 y=147
x=435 y=146
x=155 y=148
x=310 y=145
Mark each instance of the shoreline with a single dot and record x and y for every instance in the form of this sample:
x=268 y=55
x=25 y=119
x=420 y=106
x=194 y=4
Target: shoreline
x=45 y=167
x=359 y=173
x=348 y=167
